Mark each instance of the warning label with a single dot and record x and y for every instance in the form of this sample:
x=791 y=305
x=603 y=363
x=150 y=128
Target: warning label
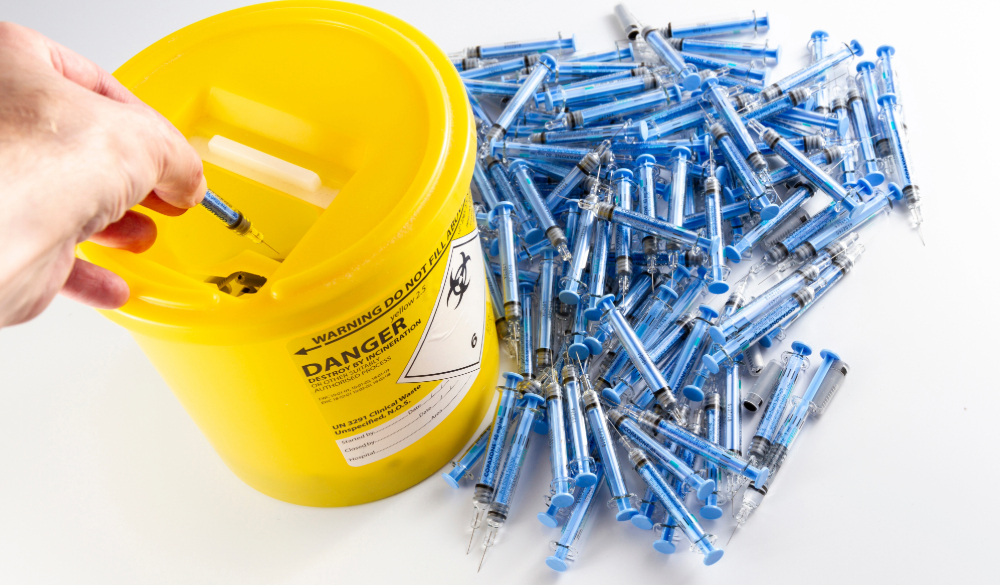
x=378 y=369
x=417 y=419
x=451 y=344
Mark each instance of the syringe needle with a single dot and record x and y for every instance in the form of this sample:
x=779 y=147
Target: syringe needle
x=269 y=246
x=485 y=548
x=920 y=233
x=471 y=538
x=732 y=535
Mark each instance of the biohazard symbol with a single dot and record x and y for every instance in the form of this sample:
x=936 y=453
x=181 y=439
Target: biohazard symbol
x=459 y=281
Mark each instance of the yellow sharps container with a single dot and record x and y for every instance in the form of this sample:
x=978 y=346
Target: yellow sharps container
x=359 y=358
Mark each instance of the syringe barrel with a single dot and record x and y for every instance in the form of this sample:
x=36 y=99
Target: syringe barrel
x=738 y=166
x=218 y=207
x=668 y=231
x=694 y=342
x=900 y=150
x=751 y=238
x=633 y=345
x=558 y=452
x=678 y=186
x=768 y=426
x=746 y=74
x=709 y=451
x=546 y=66
x=753 y=310
x=808 y=168
x=498 y=435
x=723 y=27
x=732 y=437
x=850 y=222
x=468 y=459
x=515 y=457
x=757 y=329
x=623 y=234
x=572 y=284
x=654 y=38
x=598 y=268
x=734 y=125
x=670 y=462
x=526 y=345
x=820 y=67
x=546 y=297
x=573 y=528
x=576 y=423
x=609 y=457
x=679 y=512
x=744 y=51
x=525 y=47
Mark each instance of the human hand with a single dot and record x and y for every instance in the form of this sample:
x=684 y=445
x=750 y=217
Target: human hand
x=77 y=151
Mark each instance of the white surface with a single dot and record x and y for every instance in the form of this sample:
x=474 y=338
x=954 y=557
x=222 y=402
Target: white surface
x=105 y=479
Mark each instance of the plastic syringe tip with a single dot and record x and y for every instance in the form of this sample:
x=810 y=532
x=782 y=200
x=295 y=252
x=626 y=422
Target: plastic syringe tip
x=564 y=253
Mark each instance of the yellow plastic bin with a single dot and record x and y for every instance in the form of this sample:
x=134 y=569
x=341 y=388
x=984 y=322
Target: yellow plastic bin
x=368 y=357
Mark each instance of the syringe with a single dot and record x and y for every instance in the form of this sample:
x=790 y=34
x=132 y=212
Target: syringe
x=727 y=27
x=817 y=47
x=843 y=225
x=494 y=450
x=735 y=302
x=752 y=186
x=809 y=169
x=693 y=347
x=524 y=225
x=780 y=250
x=863 y=132
x=500 y=217
x=718 y=272
x=901 y=155
x=668 y=231
x=572 y=285
x=511 y=49
x=822 y=388
x=606 y=447
x=584 y=168
x=713 y=432
x=562 y=484
x=622 y=184
x=657 y=353
x=546 y=298
x=546 y=66
x=526 y=347
x=778 y=293
x=497 y=515
x=669 y=55
x=233 y=218
x=522 y=174
x=582 y=464
x=811 y=72
x=659 y=427
x=700 y=540
x=598 y=269
x=741 y=51
x=563 y=549
x=467 y=461
x=647 y=171
x=734 y=124
x=637 y=353
x=678 y=187
x=676 y=466
x=799 y=194
x=795 y=362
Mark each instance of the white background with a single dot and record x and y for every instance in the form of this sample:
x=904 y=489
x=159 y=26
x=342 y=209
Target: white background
x=105 y=479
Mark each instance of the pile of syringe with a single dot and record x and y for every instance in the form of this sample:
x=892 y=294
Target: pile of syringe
x=617 y=190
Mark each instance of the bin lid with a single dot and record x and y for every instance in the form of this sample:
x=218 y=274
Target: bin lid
x=349 y=94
